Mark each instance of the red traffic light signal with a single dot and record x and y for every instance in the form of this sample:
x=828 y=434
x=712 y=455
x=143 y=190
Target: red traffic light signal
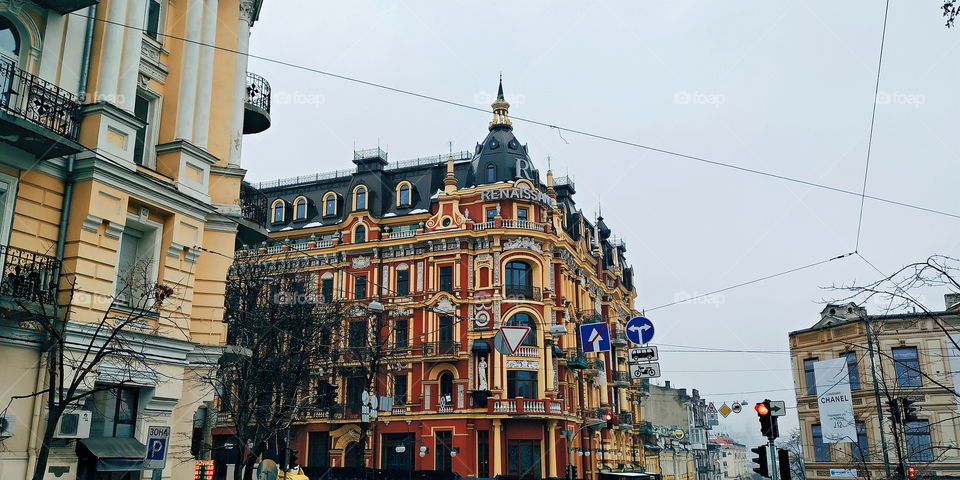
x=608 y=416
x=911 y=472
x=762 y=409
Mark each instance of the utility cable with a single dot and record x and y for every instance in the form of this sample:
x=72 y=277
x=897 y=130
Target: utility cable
x=584 y=133
x=873 y=120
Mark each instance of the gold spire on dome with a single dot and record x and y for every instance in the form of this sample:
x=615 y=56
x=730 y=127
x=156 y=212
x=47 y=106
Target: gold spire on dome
x=500 y=108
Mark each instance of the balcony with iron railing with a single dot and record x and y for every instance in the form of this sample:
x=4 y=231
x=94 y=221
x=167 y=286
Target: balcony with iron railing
x=522 y=292
x=253 y=215
x=28 y=277
x=440 y=350
x=575 y=358
x=37 y=116
x=256 y=105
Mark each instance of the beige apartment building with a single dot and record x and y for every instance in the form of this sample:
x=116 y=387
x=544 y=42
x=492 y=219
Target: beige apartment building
x=909 y=355
x=119 y=154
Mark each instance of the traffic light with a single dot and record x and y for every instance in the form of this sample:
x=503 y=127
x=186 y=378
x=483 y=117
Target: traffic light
x=571 y=471
x=911 y=472
x=609 y=418
x=768 y=423
x=762 y=468
x=894 y=405
x=293 y=458
x=783 y=464
x=909 y=411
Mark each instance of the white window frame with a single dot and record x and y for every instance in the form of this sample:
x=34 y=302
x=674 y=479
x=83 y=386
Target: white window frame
x=8 y=187
x=154 y=105
x=161 y=19
x=151 y=240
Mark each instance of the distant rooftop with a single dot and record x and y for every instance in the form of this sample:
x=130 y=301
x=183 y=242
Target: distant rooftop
x=440 y=159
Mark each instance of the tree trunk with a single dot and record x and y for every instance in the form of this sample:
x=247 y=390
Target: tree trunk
x=54 y=412
x=247 y=468
x=44 y=454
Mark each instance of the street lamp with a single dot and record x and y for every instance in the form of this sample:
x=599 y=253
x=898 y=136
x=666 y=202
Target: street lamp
x=400 y=448
x=423 y=450
x=375 y=307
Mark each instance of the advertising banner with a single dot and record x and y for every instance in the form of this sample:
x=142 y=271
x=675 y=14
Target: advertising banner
x=834 y=401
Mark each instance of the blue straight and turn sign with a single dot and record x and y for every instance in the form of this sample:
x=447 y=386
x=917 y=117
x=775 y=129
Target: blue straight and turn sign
x=640 y=330
x=595 y=337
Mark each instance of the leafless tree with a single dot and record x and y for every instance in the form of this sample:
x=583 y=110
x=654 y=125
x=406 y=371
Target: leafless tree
x=794 y=445
x=898 y=293
x=280 y=334
x=74 y=348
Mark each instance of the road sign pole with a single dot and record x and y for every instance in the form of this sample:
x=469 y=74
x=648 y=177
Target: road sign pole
x=774 y=473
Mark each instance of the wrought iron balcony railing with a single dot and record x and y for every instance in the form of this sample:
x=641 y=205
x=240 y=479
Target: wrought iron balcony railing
x=440 y=349
x=29 y=97
x=28 y=275
x=523 y=292
x=256 y=115
x=253 y=205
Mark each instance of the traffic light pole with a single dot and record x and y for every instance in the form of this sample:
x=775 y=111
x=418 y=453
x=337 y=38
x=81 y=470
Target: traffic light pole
x=772 y=462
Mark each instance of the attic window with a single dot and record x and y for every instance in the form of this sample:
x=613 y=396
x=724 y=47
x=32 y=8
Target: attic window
x=491 y=173
x=403 y=195
x=833 y=311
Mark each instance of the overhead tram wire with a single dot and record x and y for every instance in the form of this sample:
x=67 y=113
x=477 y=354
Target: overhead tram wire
x=584 y=133
x=751 y=282
x=873 y=121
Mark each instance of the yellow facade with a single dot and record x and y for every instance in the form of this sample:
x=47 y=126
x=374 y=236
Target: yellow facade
x=919 y=340
x=120 y=146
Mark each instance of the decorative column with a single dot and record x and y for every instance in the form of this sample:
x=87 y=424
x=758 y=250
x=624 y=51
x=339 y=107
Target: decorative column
x=132 y=46
x=201 y=119
x=497 y=448
x=552 y=447
x=240 y=80
x=112 y=53
x=188 y=71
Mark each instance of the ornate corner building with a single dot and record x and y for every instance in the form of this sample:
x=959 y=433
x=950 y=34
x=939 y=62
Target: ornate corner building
x=119 y=146
x=456 y=246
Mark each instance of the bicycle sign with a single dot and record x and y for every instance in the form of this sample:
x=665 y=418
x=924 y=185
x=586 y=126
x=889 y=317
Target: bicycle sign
x=645 y=370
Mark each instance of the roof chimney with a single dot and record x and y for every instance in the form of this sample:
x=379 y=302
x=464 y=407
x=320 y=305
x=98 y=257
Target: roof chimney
x=952 y=300
x=666 y=384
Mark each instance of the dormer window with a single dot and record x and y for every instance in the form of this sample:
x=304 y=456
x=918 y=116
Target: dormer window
x=277 y=209
x=300 y=208
x=491 y=173
x=360 y=198
x=329 y=204
x=403 y=194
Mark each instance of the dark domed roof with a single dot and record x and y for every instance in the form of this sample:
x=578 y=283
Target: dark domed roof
x=603 y=229
x=502 y=151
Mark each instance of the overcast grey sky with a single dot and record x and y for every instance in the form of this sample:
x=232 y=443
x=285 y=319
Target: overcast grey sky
x=785 y=87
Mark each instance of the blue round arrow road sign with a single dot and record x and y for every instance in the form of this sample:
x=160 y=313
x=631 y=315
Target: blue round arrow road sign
x=640 y=330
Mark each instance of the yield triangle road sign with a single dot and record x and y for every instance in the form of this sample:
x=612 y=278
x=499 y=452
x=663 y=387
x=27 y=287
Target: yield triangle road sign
x=511 y=338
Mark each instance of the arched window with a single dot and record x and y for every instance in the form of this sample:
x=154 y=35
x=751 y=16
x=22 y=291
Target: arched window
x=330 y=204
x=446 y=386
x=360 y=234
x=519 y=275
x=9 y=42
x=360 y=198
x=403 y=195
x=277 y=209
x=300 y=208
x=524 y=320
x=491 y=173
